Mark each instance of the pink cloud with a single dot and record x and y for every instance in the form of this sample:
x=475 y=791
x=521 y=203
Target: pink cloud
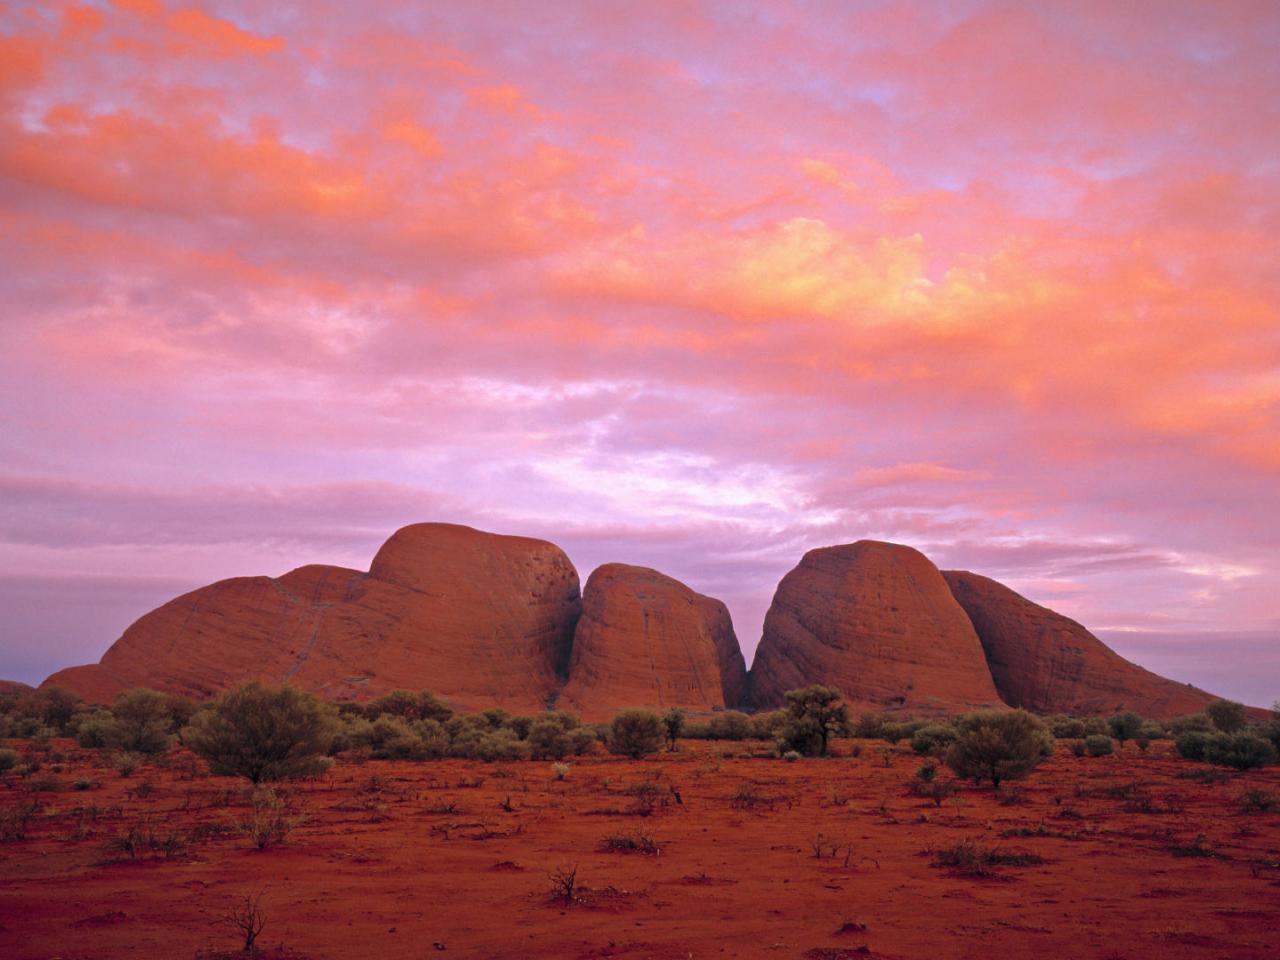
x=994 y=281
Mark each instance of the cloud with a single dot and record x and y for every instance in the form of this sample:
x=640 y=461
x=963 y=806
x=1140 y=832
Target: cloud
x=993 y=281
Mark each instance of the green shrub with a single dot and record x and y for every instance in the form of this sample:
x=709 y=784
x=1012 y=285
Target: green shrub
x=1066 y=728
x=1098 y=745
x=999 y=745
x=52 y=707
x=1153 y=730
x=391 y=737
x=1077 y=748
x=1096 y=725
x=1243 y=750
x=8 y=760
x=549 y=737
x=1191 y=744
x=933 y=739
x=1192 y=723
x=1227 y=715
x=770 y=725
x=142 y=721
x=409 y=705
x=636 y=733
x=870 y=726
x=815 y=714
x=96 y=730
x=264 y=733
x=478 y=740
x=730 y=725
x=1125 y=726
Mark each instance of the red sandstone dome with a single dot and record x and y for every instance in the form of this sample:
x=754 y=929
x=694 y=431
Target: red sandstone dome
x=646 y=640
x=479 y=618
x=878 y=622
x=1043 y=661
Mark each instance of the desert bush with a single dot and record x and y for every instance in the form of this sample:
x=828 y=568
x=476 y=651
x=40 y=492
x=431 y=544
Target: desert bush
x=1192 y=723
x=560 y=771
x=999 y=745
x=791 y=756
x=1153 y=730
x=246 y=917
x=870 y=726
x=1066 y=728
x=815 y=714
x=1096 y=725
x=52 y=707
x=933 y=739
x=636 y=733
x=391 y=737
x=1098 y=745
x=15 y=820
x=975 y=860
x=730 y=725
x=271 y=820
x=1242 y=750
x=555 y=736
x=95 y=730
x=1124 y=726
x=1258 y=800
x=637 y=842
x=564 y=884
x=769 y=725
x=1227 y=715
x=127 y=764
x=902 y=730
x=141 y=721
x=409 y=705
x=1191 y=744
x=479 y=741
x=8 y=760
x=263 y=733
x=1078 y=748
x=673 y=726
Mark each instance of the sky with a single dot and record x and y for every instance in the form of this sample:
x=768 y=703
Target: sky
x=698 y=286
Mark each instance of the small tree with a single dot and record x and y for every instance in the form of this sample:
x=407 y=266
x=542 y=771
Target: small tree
x=673 y=725
x=1227 y=715
x=814 y=715
x=264 y=733
x=1125 y=726
x=635 y=733
x=140 y=721
x=999 y=745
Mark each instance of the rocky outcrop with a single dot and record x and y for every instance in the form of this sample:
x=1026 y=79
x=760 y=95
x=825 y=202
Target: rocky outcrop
x=877 y=622
x=646 y=640
x=1043 y=661
x=481 y=619
x=15 y=688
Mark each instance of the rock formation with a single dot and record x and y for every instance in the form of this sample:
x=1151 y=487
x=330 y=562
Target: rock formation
x=877 y=622
x=15 y=688
x=1042 y=661
x=646 y=640
x=481 y=619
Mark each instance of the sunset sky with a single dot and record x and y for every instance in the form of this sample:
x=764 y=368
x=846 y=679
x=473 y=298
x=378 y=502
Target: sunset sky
x=697 y=286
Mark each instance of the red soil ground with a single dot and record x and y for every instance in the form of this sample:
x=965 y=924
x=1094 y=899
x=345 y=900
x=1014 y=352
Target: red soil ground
x=423 y=859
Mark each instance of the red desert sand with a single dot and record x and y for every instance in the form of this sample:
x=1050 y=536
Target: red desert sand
x=708 y=852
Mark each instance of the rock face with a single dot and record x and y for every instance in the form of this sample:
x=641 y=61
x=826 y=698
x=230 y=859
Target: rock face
x=877 y=622
x=481 y=619
x=646 y=640
x=1043 y=661
x=14 y=688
